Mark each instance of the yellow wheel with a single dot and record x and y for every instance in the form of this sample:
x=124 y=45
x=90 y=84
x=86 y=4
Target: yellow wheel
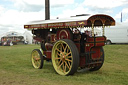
x=37 y=59
x=65 y=57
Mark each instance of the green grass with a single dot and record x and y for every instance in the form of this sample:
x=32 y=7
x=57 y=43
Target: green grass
x=16 y=68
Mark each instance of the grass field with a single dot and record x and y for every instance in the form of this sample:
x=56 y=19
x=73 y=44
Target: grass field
x=16 y=68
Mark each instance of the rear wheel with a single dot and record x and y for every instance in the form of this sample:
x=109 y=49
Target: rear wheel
x=65 y=57
x=37 y=59
x=100 y=65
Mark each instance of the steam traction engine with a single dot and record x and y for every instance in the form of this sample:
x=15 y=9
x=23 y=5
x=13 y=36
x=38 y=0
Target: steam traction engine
x=68 y=44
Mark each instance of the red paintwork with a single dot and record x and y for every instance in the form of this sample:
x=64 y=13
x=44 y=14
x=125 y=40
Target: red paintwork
x=78 y=46
x=91 y=46
x=63 y=34
x=53 y=37
x=48 y=54
x=90 y=39
x=97 y=54
x=100 y=38
x=100 y=44
x=82 y=62
x=48 y=46
x=88 y=46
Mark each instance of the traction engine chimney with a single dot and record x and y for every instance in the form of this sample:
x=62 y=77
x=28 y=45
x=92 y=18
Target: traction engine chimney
x=47 y=9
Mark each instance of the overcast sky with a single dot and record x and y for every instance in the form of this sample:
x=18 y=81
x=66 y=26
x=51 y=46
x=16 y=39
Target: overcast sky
x=15 y=13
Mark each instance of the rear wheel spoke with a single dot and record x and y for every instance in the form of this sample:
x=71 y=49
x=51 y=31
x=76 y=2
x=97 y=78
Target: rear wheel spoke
x=67 y=57
x=68 y=60
x=68 y=54
x=67 y=65
x=57 y=58
x=60 y=65
x=59 y=62
x=62 y=46
x=58 y=54
x=58 y=50
x=65 y=48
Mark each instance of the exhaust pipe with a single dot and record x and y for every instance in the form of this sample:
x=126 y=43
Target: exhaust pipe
x=47 y=9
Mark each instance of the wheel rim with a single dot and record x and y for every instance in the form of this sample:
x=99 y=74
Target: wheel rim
x=62 y=57
x=36 y=61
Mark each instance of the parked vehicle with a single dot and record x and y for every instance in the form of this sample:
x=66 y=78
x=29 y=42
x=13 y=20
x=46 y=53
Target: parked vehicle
x=69 y=49
x=0 y=43
x=117 y=34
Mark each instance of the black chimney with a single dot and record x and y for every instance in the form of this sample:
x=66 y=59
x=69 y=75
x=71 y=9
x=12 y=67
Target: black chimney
x=47 y=9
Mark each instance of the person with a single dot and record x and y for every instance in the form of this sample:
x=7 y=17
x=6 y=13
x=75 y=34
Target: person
x=88 y=33
x=11 y=43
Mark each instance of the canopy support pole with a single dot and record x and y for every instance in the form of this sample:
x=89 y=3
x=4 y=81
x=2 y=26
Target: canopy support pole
x=103 y=32
x=92 y=30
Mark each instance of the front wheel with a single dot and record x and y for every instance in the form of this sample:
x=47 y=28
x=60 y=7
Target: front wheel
x=65 y=57
x=37 y=59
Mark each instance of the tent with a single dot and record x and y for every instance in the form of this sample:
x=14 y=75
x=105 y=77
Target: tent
x=28 y=37
x=13 y=37
x=16 y=37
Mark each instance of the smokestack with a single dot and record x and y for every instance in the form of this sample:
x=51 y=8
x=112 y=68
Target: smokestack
x=47 y=9
x=121 y=17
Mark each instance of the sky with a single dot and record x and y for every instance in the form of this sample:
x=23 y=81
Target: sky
x=15 y=13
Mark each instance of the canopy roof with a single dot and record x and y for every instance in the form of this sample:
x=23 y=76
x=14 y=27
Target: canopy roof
x=11 y=34
x=86 y=21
